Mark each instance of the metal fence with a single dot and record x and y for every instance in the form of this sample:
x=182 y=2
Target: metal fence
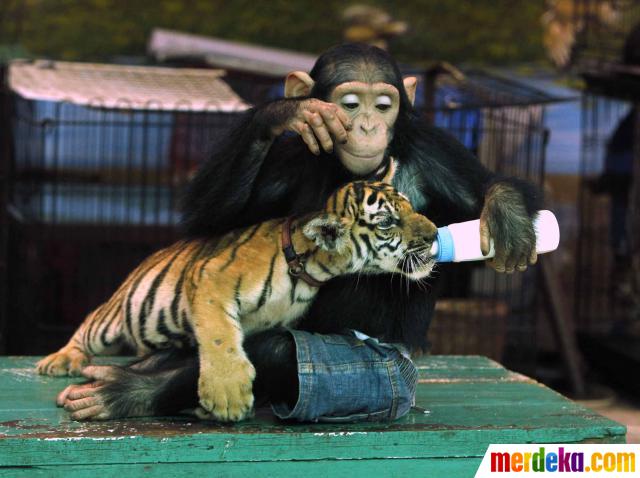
x=95 y=190
x=607 y=293
x=607 y=282
x=604 y=292
x=601 y=28
x=482 y=312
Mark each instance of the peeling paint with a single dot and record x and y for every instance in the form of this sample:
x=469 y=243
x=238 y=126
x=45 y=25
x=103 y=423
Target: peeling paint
x=88 y=438
x=22 y=373
x=338 y=434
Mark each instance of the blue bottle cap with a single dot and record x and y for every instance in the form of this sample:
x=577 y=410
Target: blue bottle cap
x=445 y=245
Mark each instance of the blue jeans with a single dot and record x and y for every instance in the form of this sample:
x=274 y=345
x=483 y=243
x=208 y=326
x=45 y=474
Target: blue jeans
x=350 y=377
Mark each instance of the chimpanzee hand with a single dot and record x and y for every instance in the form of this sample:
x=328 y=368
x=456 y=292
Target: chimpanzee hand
x=505 y=219
x=317 y=122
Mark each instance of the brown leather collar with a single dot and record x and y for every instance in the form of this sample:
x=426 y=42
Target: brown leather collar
x=295 y=261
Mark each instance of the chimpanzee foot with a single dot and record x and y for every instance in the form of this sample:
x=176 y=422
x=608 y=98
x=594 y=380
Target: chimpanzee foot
x=164 y=383
x=85 y=401
x=104 y=397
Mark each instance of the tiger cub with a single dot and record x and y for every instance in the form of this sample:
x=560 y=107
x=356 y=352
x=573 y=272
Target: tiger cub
x=217 y=290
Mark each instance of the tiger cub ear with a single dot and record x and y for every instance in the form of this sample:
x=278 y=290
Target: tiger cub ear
x=391 y=171
x=327 y=231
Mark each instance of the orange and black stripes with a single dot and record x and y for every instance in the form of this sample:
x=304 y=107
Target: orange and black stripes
x=240 y=279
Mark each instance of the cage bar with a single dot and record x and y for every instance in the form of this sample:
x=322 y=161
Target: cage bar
x=96 y=187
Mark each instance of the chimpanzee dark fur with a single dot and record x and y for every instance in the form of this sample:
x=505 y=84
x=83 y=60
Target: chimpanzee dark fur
x=252 y=178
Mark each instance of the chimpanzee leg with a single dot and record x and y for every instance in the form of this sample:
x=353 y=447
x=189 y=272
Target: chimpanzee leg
x=273 y=354
x=166 y=382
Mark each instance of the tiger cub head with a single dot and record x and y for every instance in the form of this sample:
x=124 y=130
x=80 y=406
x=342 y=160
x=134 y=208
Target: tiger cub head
x=371 y=227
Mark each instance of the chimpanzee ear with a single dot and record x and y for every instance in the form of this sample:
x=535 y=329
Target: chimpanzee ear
x=298 y=83
x=410 y=85
x=391 y=171
x=327 y=231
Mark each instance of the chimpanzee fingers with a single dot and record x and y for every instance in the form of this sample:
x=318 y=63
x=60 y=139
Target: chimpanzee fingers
x=95 y=412
x=343 y=117
x=62 y=396
x=533 y=257
x=76 y=390
x=335 y=126
x=485 y=237
x=522 y=263
x=83 y=391
x=498 y=263
x=316 y=122
x=496 y=266
x=80 y=403
x=99 y=372
x=329 y=109
x=510 y=264
x=307 y=136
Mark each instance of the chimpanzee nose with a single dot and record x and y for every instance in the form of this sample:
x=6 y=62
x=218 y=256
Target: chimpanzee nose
x=367 y=126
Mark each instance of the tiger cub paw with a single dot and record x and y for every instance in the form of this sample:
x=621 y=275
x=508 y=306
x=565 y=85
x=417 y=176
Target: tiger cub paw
x=226 y=396
x=66 y=361
x=202 y=414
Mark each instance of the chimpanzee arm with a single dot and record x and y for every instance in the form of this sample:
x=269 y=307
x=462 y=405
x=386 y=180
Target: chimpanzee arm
x=217 y=197
x=461 y=188
x=510 y=205
x=246 y=180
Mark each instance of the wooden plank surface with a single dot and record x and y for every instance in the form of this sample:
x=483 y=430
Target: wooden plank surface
x=465 y=403
x=393 y=468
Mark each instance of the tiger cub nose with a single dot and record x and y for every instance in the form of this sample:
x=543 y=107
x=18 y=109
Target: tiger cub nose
x=430 y=235
x=422 y=241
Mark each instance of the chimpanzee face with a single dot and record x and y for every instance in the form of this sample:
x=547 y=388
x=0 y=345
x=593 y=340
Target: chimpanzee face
x=373 y=108
x=365 y=83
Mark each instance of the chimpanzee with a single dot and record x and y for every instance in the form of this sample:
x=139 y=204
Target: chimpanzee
x=343 y=120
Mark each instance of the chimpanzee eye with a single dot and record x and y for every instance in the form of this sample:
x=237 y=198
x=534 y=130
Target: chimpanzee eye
x=350 y=101
x=383 y=103
x=386 y=223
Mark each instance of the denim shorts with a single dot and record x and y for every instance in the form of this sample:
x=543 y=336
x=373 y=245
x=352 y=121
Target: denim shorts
x=350 y=377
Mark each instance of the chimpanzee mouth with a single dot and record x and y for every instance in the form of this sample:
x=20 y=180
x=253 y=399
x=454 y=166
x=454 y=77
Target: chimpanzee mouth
x=374 y=155
x=365 y=153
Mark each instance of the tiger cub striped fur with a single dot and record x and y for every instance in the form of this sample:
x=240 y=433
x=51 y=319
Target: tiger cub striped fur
x=215 y=291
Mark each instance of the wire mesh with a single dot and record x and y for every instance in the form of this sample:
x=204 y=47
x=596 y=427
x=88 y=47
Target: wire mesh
x=607 y=286
x=606 y=301
x=601 y=29
x=95 y=190
x=482 y=312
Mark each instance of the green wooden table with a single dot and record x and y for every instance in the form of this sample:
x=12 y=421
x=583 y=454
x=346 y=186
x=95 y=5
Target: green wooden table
x=469 y=402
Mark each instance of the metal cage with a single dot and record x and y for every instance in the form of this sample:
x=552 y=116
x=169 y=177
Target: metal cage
x=94 y=190
x=502 y=122
x=95 y=181
x=601 y=28
x=607 y=293
x=605 y=237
